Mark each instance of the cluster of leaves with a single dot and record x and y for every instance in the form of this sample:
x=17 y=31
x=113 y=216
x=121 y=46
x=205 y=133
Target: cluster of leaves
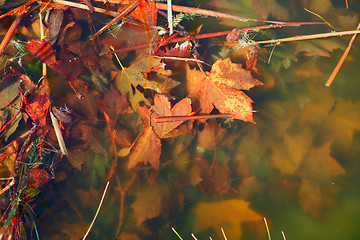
x=137 y=118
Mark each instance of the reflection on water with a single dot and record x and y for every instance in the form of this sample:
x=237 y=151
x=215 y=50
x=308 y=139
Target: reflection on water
x=297 y=166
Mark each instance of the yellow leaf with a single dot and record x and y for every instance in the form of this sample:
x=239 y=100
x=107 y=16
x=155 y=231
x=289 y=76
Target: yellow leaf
x=228 y=214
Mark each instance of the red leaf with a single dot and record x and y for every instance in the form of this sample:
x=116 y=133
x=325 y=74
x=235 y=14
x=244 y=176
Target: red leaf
x=37 y=107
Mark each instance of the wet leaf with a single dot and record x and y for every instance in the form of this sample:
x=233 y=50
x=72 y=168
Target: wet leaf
x=150 y=202
x=267 y=8
x=38 y=178
x=162 y=108
x=228 y=214
x=9 y=90
x=146 y=150
x=37 y=107
x=67 y=63
x=214 y=178
x=55 y=21
x=318 y=172
x=211 y=135
x=222 y=89
x=113 y=103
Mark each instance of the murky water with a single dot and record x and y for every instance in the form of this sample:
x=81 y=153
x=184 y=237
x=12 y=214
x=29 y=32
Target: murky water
x=297 y=166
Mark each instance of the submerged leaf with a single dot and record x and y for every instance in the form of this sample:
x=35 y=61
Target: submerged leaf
x=228 y=214
x=147 y=150
x=150 y=202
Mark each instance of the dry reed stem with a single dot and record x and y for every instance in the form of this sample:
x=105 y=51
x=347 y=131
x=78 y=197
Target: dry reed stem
x=170 y=17
x=342 y=59
x=58 y=134
x=165 y=119
x=97 y=211
x=308 y=37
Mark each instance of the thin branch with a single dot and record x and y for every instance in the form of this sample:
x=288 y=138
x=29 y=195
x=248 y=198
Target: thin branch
x=187 y=118
x=342 y=59
x=10 y=32
x=309 y=37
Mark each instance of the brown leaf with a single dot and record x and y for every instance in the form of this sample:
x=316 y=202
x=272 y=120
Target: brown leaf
x=216 y=179
x=211 y=135
x=162 y=108
x=113 y=103
x=150 y=202
x=222 y=89
x=147 y=150
x=318 y=171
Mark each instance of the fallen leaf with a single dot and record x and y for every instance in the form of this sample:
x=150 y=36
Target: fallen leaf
x=228 y=214
x=267 y=8
x=211 y=135
x=222 y=89
x=150 y=202
x=318 y=171
x=62 y=61
x=146 y=150
x=9 y=89
x=162 y=108
x=37 y=107
x=214 y=178
x=315 y=166
x=113 y=103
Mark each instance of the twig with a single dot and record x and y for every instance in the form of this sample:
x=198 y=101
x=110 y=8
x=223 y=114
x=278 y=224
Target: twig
x=7 y=186
x=19 y=10
x=342 y=59
x=126 y=10
x=97 y=211
x=216 y=34
x=10 y=32
x=308 y=37
x=83 y=6
x=165 y=119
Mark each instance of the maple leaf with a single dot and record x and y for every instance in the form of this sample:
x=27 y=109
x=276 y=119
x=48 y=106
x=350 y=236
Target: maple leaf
x=150 y=202
x=162 y=108
x=147 y=72
x=318 y=171
x=113 y=103
x=222 y=89
x=228 y=214
x=216 y=178
x=67 y=63
x=147 y=150
x=314 y=166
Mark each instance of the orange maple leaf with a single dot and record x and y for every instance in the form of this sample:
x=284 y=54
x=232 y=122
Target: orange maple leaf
x=147 y=150
x=222 y=88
